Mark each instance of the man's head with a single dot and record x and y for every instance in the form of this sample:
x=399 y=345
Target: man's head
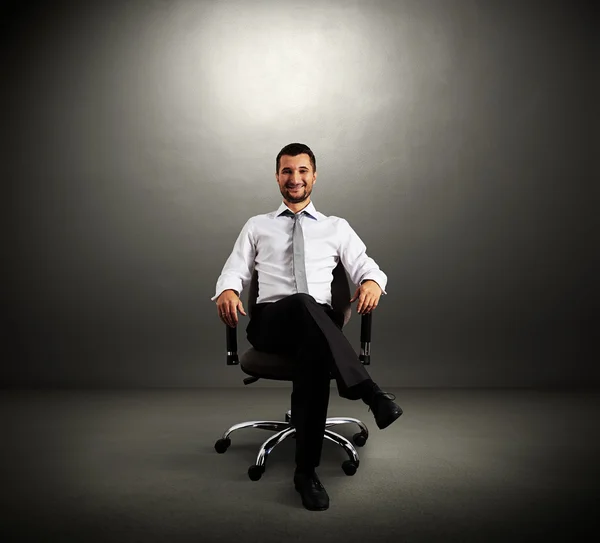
x=296 y=173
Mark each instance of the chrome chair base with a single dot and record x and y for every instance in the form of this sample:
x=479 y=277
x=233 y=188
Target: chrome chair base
x=286 y=429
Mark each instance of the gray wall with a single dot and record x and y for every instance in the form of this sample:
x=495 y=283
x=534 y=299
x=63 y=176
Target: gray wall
x=455 y=137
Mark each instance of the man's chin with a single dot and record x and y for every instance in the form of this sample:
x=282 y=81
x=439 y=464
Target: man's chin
x=296 y=199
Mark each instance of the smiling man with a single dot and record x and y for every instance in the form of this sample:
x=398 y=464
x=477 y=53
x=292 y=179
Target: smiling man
x=295 y=250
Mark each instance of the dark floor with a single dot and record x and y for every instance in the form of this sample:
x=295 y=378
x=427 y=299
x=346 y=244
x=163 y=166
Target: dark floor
x=139 y=465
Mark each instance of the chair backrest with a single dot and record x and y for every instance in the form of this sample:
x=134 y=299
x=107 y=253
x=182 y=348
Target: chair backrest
x=340 y=293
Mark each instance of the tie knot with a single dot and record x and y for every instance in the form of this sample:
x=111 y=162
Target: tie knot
x=290 y=213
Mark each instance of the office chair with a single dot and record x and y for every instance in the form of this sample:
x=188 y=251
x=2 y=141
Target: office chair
x=261 y=365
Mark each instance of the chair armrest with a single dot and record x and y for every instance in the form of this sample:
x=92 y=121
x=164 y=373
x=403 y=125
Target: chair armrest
x=365 y=339
x=231 y=337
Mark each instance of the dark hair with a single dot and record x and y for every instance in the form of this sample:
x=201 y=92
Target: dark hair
x=295 y=149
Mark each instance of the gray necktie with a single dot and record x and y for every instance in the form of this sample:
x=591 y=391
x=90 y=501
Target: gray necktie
x=298 y=249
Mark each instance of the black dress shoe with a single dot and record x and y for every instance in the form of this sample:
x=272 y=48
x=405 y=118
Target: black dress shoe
x=314 y=496
x=384 y=409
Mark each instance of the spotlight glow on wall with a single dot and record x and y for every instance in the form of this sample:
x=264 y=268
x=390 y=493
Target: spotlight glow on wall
x=261 y=62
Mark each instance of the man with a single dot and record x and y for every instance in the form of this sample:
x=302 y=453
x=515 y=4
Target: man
x=293 y=313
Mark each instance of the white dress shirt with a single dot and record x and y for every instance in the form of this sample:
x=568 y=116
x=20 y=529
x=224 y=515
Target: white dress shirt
x=265 y=245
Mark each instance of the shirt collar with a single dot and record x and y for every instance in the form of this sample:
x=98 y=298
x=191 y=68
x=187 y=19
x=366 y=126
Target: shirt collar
x=309 y=210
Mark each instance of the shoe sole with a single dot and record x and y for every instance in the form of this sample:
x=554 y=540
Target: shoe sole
x=306 y=506
x=395 y=416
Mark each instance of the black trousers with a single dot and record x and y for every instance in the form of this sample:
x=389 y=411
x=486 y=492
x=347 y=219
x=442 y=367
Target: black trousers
x=311 y=335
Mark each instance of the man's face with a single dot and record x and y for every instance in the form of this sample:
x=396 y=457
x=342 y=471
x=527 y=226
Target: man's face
x=295 y=178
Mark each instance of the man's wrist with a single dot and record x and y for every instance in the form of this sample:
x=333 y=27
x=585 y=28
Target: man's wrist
x=373 y=281
x=227 y=290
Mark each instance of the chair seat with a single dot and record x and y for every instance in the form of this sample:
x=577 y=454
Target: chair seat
x=267 y=365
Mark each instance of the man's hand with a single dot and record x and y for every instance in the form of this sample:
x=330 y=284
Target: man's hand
x=368 y=295
x=228 y=303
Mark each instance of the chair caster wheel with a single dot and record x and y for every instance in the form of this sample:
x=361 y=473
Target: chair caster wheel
x=359 y=439
x=255 y=472
x=222 y=445
x=349 y=467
